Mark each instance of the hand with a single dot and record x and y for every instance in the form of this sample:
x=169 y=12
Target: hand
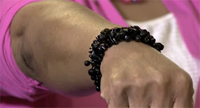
x=135 y=75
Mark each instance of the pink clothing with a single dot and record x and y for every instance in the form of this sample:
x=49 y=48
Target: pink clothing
x=14 y=83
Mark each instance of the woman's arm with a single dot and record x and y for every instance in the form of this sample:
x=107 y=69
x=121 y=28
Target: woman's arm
x=50 y=41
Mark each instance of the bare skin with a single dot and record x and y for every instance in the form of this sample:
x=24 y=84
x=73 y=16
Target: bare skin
x=54 y=43
x=142 y=11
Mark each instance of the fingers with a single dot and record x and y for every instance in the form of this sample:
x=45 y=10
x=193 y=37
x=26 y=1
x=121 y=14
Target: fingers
x=162 y=97
x=140 y=103
x=114 y=94
x=184 y=100
x=183 y=103
x=155 y=94
x=185 y=91
x=118 y=101
x=158 y=92
x=161 y=101
x=139 y=98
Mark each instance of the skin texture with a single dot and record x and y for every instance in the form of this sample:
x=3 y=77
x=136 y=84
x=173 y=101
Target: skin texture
x=138 y=79
x=141 y=11
x=50 y=45
x=56 y=45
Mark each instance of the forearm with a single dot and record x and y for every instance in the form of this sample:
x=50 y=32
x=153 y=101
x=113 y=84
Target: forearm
x=58 y=39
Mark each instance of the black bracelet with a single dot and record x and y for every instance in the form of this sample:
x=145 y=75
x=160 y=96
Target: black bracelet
x=109 y=37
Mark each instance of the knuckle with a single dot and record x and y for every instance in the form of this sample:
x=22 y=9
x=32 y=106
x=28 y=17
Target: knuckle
x=104 y=97
x=185 y=83
x=184 y=78
x=121 y=82
x=117 y=83
x=140 y=83
x=160 y=80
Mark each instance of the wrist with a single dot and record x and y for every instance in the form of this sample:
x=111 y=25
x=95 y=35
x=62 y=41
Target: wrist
x=111 y=37
x=115 y=56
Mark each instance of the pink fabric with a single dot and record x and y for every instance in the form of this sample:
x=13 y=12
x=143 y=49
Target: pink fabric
x=14 y=83
x=187 y=13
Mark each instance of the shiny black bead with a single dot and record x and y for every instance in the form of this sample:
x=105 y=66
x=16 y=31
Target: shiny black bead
x=144 y=33
x=127 y=38
x=87 y=63
x=112 y=33
x=99 y=76
x=91 y=72
x=102 y=37
x=113 y=42
x=155 y=46
x=116 y=29
x=108 y=41
x=93 y=53
x=97 y=82
x=107 y=45
x=105 y=31
x=94 y=46
x=101 y=55
x=97 y=70
x=100 y=50
x=97 y=61
x=146 y=40
x=93 y=63
x=95 y=41
x=134 y=33
x=121 y=33
x=95 y=67
x=95 y=58
x=137 y=38
x=125 y=29
x=152 y=40
x=130 y=30
x=96 y=50
x=122 y=37
x=93 y=77
x=103 y=48
x=90 y=56
x=98 y=88
x=98 y=65
x=136 y=28
x=160 y=46
x=118 y=38
x=90 y=51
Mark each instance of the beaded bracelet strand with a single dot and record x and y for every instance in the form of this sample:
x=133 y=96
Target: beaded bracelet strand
x=110 y=37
